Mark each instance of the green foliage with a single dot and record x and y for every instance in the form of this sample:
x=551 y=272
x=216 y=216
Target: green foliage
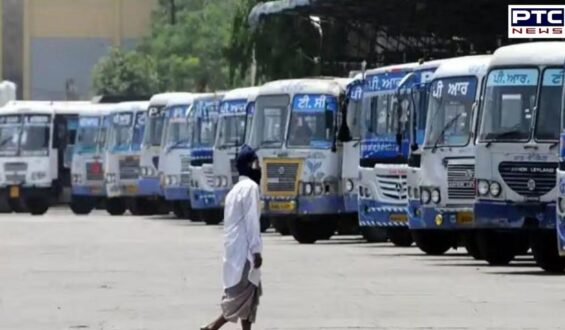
x=285 y=46
x=190 y=53
x=125 y=74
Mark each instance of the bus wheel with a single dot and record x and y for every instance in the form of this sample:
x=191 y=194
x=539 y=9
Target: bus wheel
x=327 y=229
x=140 y=207
x=374 y=234
x=400 y=237
x=545 y=252
x=265 y=224
x=212 y=217
x=522 y=244
x=4 y=205
x=17 y=205
x=472 y=247
x=433 y=242
x=37 y=206
x=115 y=206
x=178 y=210
x=497 y=248
x=304 y=231
x=281 y=225
x=81 y=205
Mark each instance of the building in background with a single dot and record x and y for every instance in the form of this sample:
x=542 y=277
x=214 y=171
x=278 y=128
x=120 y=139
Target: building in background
x=49 y=47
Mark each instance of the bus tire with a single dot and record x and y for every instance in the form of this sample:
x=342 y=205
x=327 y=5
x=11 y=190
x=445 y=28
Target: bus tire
x=81 y=205
x=497 y=248
x=327 y=228
x=472 y=246
x=433 y=242
x=400 y=237
x=374 y=234
x=265 y=224
x=179 y=211
x=545 y=253
x=37 y=206
x=281 y=225
x=212 y=217
x=522 y=244
x=115 y=206
x=304 y=231
x=141 y=207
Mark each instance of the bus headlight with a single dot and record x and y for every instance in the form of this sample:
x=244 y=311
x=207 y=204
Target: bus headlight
x=307 y=189
x=171 y=180
x=143 y=171
x=111 y=178
x=224 y=181
x=495 y=189
x=482 y=187
x=218 y=182
x=436 y=196
x=349 y=186
x=76 y=178
x=426 y=196
x=561 y=205
x=367 y=192
x=318 y=189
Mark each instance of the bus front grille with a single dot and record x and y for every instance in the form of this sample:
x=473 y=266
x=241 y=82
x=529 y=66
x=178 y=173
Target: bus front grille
x=129 y=168
x=530 y=179
x=393 y=186
x=282 y=176
x=461 y=181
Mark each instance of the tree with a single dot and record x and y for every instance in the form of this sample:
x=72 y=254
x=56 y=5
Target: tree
x=125 y=74
x=284 y=46
x=188 y=44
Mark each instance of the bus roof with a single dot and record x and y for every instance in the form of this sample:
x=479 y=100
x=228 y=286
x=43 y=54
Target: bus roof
x=97 y=109
x=163 y=98
x=131 y=106
x=531 y=53
x=392 y=68
x=327 y=85
x=27 y=107
x=245 y=93
x=185 y=99
x=463 y=66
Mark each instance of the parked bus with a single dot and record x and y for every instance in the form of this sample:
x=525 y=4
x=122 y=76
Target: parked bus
x=236 y=111
x=149 y=179
x=88 y=189
x=35 y=139
x=204 y=123
x=295 y=128
x=175 y=155
x=122 y=159
x=446 y=185
x=517 y=153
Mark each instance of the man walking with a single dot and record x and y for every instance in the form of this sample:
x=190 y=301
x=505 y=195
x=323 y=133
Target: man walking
x=242 y=246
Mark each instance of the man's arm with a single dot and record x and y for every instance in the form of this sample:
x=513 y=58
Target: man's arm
x=253 y=226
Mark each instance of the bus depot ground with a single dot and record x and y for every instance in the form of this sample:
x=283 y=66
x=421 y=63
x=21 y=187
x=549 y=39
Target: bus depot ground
x=61 y=271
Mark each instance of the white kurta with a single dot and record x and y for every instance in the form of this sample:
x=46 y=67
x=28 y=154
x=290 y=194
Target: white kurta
x=242 y=231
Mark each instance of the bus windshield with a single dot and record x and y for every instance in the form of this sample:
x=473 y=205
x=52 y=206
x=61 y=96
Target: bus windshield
x=177 y=132
x=382 y=116
x=121 y=131
x=34 y=139
x=547 y=128
x=308 y=127
x=87 y=134
x=138 y=130
x=10 y=129
x=270 y=120
x=154 y=130
x=103 y=133
x=450 y=110
x=510 y=98
x=230 y=130
x=205 y=128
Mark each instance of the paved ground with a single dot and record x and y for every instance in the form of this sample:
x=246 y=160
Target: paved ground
x=64 y=272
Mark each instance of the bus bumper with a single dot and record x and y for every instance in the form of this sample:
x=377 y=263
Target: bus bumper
x=503 y=214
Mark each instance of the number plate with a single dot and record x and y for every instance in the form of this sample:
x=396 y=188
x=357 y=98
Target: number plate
x=464 y=218
x=399 y=217
x=131 y=189
x=281 y=206
x=14 y=192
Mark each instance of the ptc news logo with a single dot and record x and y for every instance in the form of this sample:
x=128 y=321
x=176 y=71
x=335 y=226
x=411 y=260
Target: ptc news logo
x=536 y=21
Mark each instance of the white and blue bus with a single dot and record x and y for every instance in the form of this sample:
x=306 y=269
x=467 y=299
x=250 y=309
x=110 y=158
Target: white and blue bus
x=175 y=155
x=446 y=185
x=236 y=111
x=517 y=154
x=122 y=157
x=204 y=121
x=88 y=190
x=295 y=128
x=149 y=178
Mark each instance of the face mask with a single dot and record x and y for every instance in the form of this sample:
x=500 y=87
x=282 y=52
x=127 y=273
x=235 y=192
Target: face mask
x=255 y=175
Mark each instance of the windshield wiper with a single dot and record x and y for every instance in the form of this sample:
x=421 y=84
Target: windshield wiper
x=176 y=144
x=444 y=130
x=6 y=140
x=270 y=142
x=503 y=135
